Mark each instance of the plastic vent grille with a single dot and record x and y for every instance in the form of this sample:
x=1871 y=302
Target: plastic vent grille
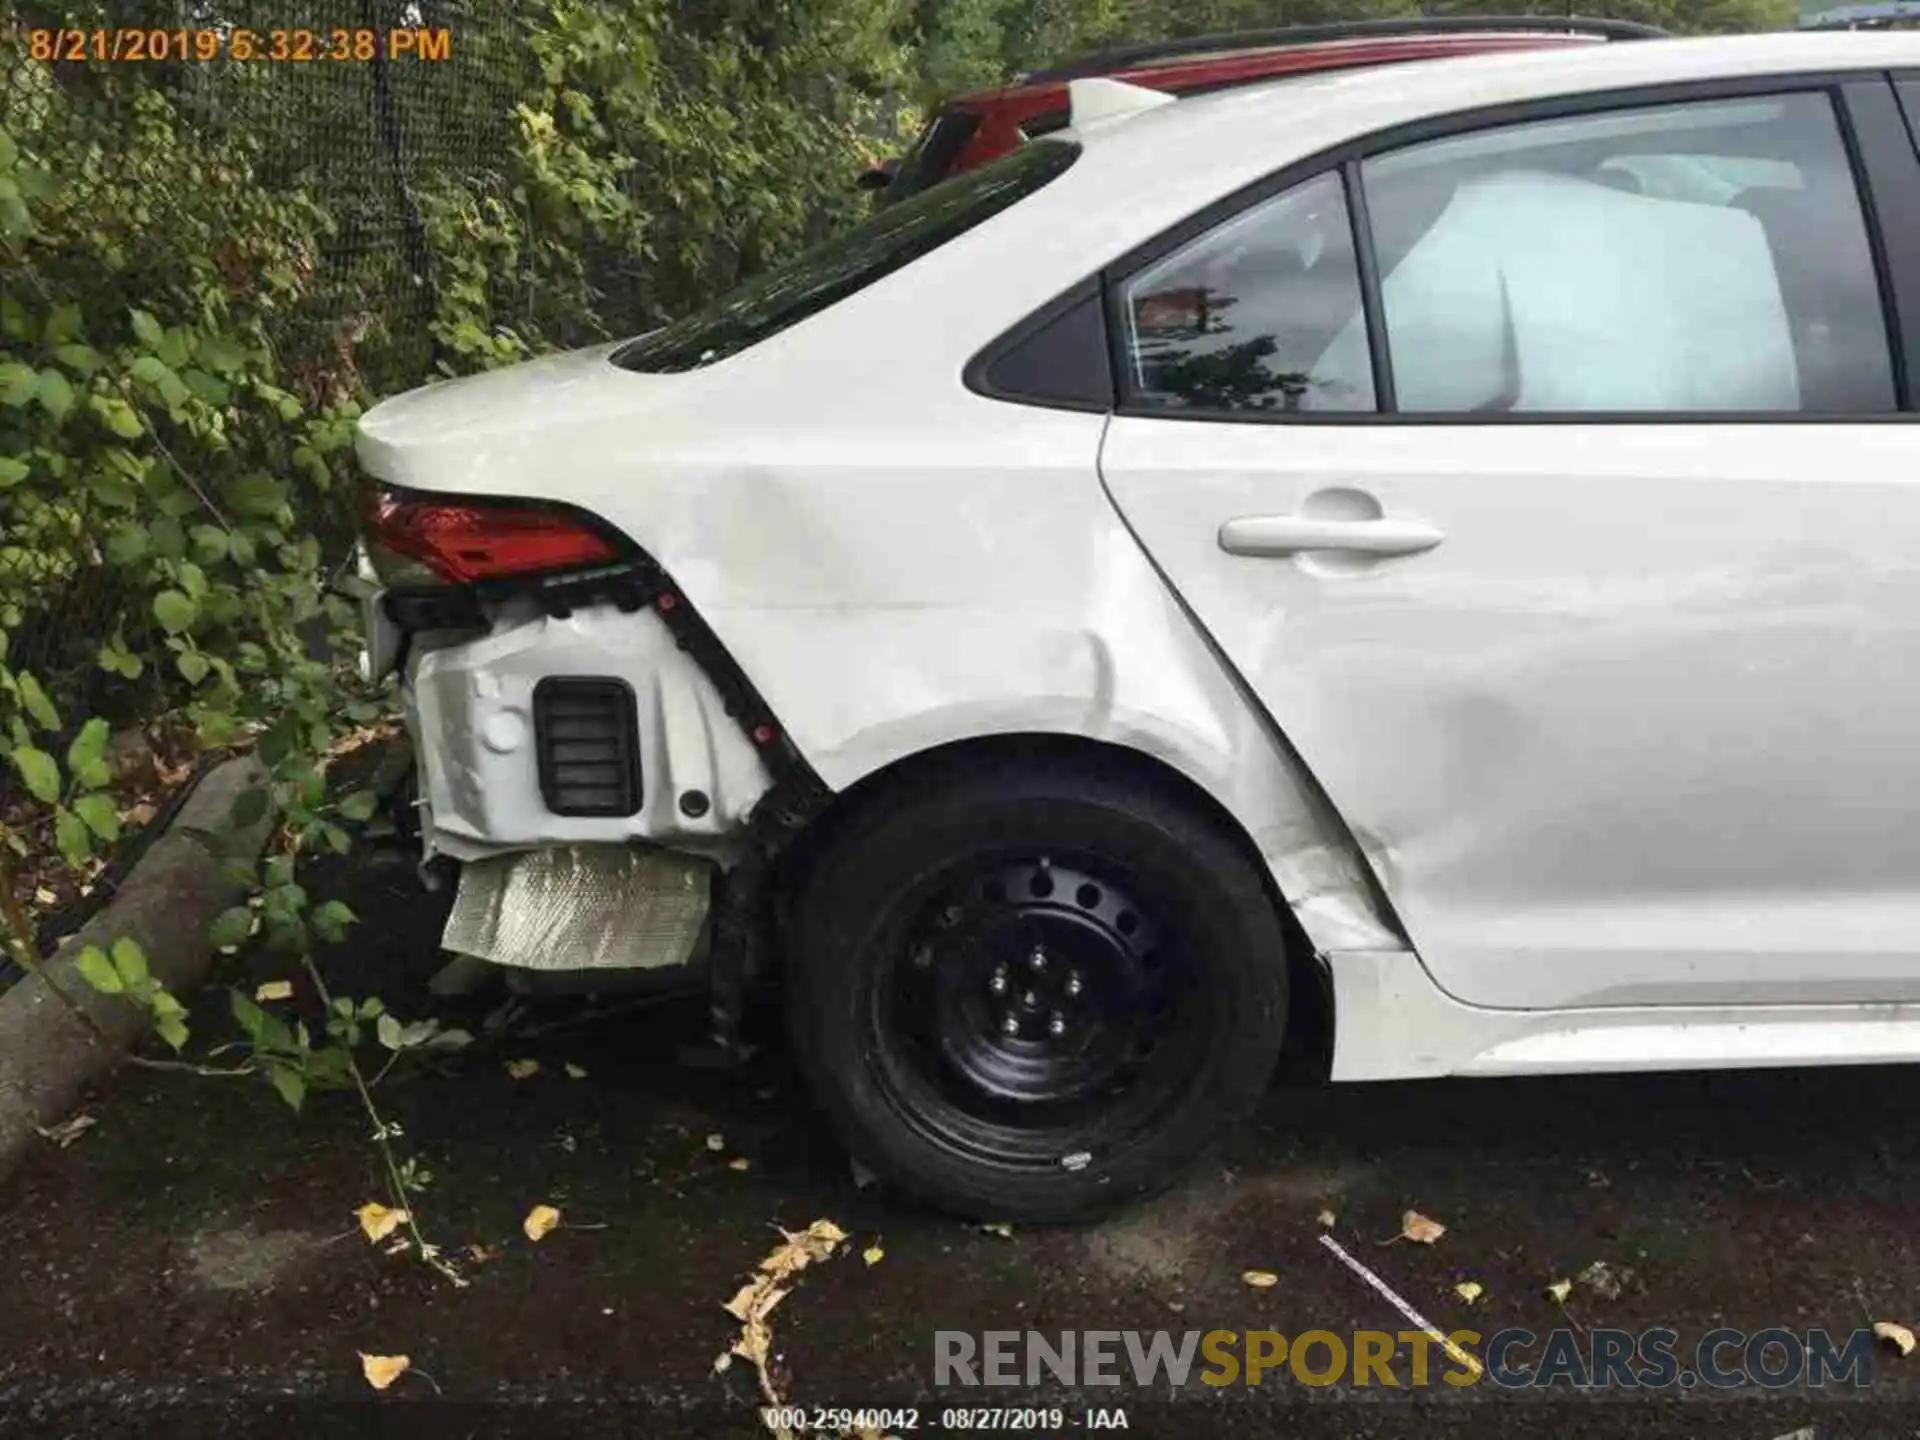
x=588 y=744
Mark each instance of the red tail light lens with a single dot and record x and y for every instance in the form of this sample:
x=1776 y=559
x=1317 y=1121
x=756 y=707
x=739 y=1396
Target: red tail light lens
x=415 y=540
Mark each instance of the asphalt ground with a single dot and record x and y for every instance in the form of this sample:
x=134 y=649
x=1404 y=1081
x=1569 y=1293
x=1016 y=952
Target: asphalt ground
x=191 y=1265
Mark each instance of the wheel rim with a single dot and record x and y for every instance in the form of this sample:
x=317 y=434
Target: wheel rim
x=1035 y=1007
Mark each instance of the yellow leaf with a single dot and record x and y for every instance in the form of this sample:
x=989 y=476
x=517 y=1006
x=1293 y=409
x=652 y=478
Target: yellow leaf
x=740 y=1163
x=1896 y=1335
x=523 y=1069
x=716 y=1142
x=378 y=1222
x=1260 y=1279
x=382 y=1370
x=576 y=1072
x=540 y=1222
x=1420 y=1229
x=45 y=896
x=1469 y=1290
x=828 y=1233
x=274 y=990
x=873 y=1253
x=1559 y=1290
x=1326 y=1219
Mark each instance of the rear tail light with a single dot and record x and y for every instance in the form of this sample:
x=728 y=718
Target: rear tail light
x=420 y=540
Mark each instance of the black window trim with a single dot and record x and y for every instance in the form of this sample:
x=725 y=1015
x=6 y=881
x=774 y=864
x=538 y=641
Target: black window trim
x=1886 y=172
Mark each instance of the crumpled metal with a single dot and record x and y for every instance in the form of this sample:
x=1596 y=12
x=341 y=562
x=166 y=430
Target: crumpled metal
x=581 y=907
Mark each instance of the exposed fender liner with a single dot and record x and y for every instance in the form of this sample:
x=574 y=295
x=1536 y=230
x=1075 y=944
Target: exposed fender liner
x=635 y=582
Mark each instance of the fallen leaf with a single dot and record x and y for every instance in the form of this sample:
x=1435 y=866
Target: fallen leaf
x=136 y=815
x=1326 y=1219
x=1000 y=1228
x=44 y=896
x=716 y=1141
x=1604 y=1280
x=1260 y=1279
x=540 y=1222
x=67 y=1132
x=382 y=1370
x=1420 y=1229
x=1469 y=1290
x=740 y=1163
x=481 y=1254
x=378 y=1222
x=522 y=1069
x=873 y=1253
x=1559 y=1290
x=576 y=1072
x=274 y=990
x=722 y=1362
x=1896 y=1335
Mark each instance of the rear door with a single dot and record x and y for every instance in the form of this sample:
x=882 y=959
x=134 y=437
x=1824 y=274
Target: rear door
x=1554 y=482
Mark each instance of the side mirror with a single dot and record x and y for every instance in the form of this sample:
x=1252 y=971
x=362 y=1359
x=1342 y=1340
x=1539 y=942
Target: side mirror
x=879 y=177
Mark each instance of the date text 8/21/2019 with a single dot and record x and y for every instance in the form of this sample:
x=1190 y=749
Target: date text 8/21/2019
x=135 y=44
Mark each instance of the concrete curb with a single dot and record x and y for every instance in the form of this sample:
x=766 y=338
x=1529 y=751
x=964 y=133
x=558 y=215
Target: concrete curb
x=47 y=1056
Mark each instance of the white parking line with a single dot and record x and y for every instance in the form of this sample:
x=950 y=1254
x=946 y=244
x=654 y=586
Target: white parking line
x=1454 y=1352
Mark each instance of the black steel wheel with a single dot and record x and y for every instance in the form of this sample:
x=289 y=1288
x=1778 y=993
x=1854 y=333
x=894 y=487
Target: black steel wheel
x=1032 y=992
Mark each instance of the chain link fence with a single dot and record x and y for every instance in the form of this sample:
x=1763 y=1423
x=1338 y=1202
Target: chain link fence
x=354 y=104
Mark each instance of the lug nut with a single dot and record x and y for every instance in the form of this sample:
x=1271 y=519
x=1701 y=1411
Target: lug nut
x=1010 y=1026
x=1073 y=986
x=1038 y=959
x=998 y=984
x=1030 y=1000
x=1056 y=1024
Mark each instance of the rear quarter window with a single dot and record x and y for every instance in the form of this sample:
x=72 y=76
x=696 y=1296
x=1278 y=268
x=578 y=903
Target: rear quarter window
x=828 y=273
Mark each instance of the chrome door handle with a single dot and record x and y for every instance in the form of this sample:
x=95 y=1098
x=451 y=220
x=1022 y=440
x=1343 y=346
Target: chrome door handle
x=1294 y=534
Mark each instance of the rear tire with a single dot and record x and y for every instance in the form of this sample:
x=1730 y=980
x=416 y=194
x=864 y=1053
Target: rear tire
x=1034 y=992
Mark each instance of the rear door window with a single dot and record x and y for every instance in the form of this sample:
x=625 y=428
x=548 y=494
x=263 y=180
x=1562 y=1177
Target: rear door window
x=1705 y=257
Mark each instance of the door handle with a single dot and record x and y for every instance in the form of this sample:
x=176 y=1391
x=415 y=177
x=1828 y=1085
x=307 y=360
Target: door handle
x=1295 y=534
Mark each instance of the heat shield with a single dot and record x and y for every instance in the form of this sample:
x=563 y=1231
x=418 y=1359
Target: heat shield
x=581 y=907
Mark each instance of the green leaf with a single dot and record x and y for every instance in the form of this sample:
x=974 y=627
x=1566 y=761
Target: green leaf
x=63 y=324
x=12 y=471
x=101 y=817
x=126 y=544
x=98 y=971
x=70 y=834
x=131 y=961
x=291 y=1084
x=247 y=1015
x=172 y=1029
x=174 y=610
x=193 y=666
x=209 y=544
x=149 y=369
x=40 y=772
x=331 y=919
x=9 y=152
x=18 y=383
x=147 y=329
x=388 y=1031
x=360 y=805
x=118 y=416
x=220 y=353
x=54 y=392
x=115 y=659
x=255 y=493
x=37 y=703
x=89 y=746
x=230 y=928
x=81 y=359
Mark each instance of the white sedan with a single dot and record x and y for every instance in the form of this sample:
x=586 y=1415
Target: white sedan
x=1434 y=550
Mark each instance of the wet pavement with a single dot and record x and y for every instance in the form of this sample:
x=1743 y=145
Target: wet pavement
x=192 y=1265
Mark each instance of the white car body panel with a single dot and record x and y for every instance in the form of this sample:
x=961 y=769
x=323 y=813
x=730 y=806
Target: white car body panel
x=898 y=562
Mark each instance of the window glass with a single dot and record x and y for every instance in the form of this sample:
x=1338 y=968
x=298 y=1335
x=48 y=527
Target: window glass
x=1245 y=318
x=1699 y=257
x=828 y=273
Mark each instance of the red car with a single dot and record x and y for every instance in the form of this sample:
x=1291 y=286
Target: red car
x=970 y=130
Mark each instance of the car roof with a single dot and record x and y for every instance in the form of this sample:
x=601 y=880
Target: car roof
x=1228 y=138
